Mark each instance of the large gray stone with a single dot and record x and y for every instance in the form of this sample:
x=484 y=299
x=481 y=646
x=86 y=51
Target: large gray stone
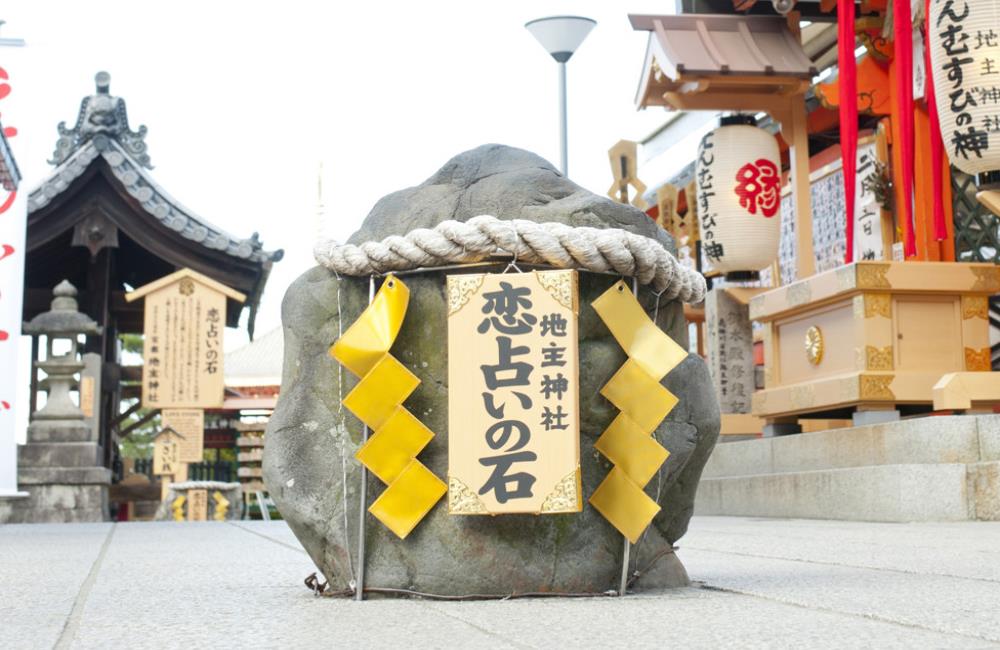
x=308 y=462
x=507 y=183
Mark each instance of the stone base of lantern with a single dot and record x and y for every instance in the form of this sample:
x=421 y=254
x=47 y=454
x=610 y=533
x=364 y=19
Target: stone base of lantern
x=59 y=470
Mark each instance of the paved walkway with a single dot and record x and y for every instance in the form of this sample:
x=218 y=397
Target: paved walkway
x=761 y=583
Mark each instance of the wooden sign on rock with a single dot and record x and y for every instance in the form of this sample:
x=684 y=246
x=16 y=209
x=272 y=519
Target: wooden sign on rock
x=197 y=505
x=513 y=400
x=183 y=324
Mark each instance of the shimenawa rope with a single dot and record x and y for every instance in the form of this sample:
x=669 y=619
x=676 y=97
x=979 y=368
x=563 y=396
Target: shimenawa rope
x=602 y=250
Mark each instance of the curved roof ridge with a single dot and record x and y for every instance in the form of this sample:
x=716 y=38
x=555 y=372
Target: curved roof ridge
x=153 y=198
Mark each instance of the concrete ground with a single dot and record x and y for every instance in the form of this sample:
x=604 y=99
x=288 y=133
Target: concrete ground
x=760 y=583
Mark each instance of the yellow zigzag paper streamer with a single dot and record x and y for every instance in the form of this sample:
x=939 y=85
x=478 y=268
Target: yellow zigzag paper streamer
x=377 y=400
x=178 y=508
x=636 y=391
x=221 y=506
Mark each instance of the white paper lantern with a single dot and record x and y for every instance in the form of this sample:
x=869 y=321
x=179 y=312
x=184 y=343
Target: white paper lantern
x=738 y=176
x=965 y=67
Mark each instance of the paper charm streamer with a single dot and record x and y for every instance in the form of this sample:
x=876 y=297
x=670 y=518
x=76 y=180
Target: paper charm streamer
x=636 y=391
x=377 y=401
x=221 y=506
x=178 y=508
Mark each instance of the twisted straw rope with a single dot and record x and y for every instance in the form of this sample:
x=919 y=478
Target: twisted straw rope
x=603 y=250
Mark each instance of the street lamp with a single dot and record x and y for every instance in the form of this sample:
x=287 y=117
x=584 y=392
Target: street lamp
x=560 y=36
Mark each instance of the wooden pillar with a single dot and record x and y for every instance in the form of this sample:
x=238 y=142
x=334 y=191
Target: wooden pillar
x=923 y=195
x=99 y=302
x=923 y=213
x=801 y=192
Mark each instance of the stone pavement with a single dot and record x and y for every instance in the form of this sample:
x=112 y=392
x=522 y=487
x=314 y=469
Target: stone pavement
x=760 y=583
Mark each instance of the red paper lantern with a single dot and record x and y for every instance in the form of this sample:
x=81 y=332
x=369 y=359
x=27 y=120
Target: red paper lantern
x=738 y=180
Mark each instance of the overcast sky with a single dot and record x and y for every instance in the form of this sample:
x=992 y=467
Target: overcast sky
x=243 y=100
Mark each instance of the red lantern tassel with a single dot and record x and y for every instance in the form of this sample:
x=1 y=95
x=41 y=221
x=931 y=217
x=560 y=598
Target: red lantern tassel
x=848 y=87
x=937 y=144
x=902 y=31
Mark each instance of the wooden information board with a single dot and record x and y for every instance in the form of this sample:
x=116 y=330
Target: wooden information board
x=166 y=453
x=513 y=393
x=190 y=423
x=183 y=325
x=197 y=505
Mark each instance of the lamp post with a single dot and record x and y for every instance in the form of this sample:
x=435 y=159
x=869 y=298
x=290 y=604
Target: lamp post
x=561 y=36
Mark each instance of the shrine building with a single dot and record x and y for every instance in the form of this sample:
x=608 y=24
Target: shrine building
x=101 y=222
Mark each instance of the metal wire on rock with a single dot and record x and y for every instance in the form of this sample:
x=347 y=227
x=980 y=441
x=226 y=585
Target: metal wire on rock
x=602 y=250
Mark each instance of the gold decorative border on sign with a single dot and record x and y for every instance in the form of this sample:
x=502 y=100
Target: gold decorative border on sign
x=977 y=360
x=799 y=294
x=878 y=304
x=565 y=496
x=873 y=276
x=876 y=387
x=461 y=288
x=462 y=500
x=878 y=358
x=975 y=307
x=987 y=278
x=562 y=286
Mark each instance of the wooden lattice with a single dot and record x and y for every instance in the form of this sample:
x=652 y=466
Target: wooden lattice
x=977 y=237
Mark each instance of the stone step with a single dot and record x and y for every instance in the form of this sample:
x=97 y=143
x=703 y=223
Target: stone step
x=25 y=515
x=29 y=476
x=930 y=440
x=49 y=431
x=894 y=493
x=59 y=454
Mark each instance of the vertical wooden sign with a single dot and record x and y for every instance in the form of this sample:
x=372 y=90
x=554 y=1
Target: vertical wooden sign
x=197 y=505
x=166 y=453
x=868 y=243
x=183 y=323
x=87 y=396
x=513 y=393
x=190 y=423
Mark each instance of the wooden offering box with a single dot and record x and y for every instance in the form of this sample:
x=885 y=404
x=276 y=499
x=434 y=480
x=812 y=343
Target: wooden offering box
x=871 y=335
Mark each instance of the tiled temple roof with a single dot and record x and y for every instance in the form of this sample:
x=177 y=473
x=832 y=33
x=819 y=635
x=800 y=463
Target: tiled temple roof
x=102 y=131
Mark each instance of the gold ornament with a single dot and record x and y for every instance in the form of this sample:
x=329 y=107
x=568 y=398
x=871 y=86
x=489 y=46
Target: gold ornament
x=977 y=360
x=878 y=358
x=814 y=345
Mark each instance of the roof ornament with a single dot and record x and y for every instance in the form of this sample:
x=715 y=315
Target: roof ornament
x=101 y=116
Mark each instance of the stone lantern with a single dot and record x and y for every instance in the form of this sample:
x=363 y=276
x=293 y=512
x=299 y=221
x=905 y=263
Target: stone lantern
x=62 y=323
x=61 y=466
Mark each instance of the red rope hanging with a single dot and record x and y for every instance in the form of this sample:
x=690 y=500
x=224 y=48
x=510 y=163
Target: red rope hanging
x=902 y=29
x=937 y=145
x=848 y=87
